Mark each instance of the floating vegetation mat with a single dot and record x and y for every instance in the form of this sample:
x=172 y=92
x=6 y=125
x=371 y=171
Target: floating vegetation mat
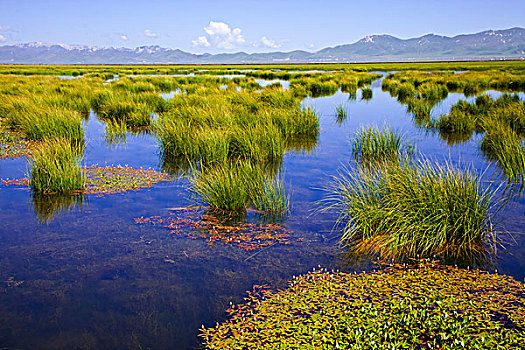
x=399 y=307
x=193 y=223
x=12 y=146
x=108 y=180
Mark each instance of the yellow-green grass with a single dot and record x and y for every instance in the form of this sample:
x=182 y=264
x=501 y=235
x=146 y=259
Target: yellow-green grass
x=212 y=125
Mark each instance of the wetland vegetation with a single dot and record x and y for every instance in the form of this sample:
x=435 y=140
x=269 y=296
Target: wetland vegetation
x=233 y=139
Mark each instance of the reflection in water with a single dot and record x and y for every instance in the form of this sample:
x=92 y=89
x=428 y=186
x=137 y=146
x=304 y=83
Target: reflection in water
x=360 y=254
x=117 y=134
x=455 y=138
x=47 y=206
x=302 y=143
x=420 y=108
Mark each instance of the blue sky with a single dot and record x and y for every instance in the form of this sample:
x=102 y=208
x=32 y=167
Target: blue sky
x=251 y=26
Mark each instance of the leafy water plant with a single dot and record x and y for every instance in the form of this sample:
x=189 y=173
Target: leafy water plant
x=119 y=179
x=371 y=145
x=398 y=307
x=410 y=209
x=55 y=168
x=196 y=223
x=108 y=179
x=12 y=145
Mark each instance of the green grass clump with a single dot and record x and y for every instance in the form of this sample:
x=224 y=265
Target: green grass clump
x=457 y=121
x=233 y=186
x=399 y=307
x=273 y=198
x=55 y=168
x=230 y=187
x=504 y=145
x=373 y=145
x=122 y=108
x=212 y=125
x=413 y=209
x=366 y=94
x=341 y=112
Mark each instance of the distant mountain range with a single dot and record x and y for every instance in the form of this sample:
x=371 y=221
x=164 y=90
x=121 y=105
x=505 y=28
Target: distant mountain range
x=499 y=44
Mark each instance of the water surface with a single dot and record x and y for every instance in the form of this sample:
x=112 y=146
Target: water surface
x=91 y=278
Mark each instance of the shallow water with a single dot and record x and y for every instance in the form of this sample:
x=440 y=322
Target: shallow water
x=93 y=278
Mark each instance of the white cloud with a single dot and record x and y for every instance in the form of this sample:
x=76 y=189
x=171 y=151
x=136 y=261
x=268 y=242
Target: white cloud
x=269 y=43
x=201 y=41
x=150 y=34
x=221 y=36
x=311 y=46
x=217 y=28
x=3 y=39
x=124 y=37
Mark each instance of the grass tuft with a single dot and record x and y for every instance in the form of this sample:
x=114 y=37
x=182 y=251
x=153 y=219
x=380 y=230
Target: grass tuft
x=371 y=145
x=413 y=209
x=55 y=168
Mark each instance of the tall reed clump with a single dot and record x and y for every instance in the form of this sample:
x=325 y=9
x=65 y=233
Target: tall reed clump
x=413 y=209
x=55 y=168
x=372 y=145
x=233 y=186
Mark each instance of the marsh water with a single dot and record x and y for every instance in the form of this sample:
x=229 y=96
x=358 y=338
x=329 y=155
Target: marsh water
x=87 y=276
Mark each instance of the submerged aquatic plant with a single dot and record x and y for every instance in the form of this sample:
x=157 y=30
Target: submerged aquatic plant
x=398 y=307
x=411 y=209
